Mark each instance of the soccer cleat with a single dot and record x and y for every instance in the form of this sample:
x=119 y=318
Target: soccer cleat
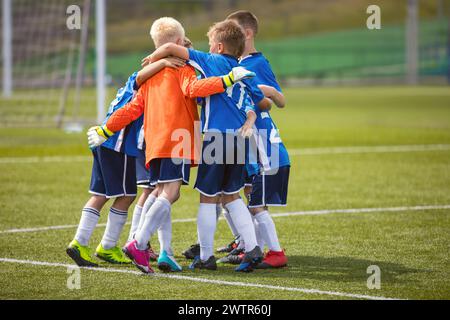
x=139 y=258
x=153 y=256
x=209 y=264
x=113 y=255
x=228 y=248
x=273 y=259
x=167 y=263
x=80 y=254
x=250 y=260
x=234 y=257
x=192 y=251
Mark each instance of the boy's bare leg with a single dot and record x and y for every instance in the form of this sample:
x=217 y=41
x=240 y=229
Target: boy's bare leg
x=96 y=202
x=247 y=192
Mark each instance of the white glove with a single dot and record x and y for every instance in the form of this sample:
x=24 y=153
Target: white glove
x=94 y=138
x=240 y=73
x=237 y=74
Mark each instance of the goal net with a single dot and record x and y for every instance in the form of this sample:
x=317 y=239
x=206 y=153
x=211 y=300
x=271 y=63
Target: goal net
x=45 y=58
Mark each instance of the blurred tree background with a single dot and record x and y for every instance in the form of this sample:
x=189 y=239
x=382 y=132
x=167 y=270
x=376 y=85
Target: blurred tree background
x=316 y=41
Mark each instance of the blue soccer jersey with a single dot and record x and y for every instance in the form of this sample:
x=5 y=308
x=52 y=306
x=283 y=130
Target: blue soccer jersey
x=225 y=111
x=271 y=150
x=127 y=139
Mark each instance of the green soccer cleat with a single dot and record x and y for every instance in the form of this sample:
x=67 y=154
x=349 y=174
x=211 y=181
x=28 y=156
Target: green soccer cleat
x=113 y=255
x=80 y=254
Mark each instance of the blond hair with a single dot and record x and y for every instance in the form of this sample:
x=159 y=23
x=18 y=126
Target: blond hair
x=230 y=34
x=166 y=29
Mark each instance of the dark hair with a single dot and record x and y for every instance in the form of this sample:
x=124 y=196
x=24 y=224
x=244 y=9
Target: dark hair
x=245 y=19
x=230 y=34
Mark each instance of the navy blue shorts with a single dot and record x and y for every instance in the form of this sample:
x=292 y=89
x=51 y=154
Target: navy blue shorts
x=248 y=179
x=113 y=174
x=224 y=175
x=142 y=173
x=165 y=170
x=270 y=189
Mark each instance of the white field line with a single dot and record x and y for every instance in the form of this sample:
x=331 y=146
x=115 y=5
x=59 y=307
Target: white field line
x=274 y=215
x=49 y=159
x=368 y=149
x=292 y=152
x=202 y=280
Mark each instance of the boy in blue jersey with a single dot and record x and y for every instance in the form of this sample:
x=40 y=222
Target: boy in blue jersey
x=113 y=176
x=223 y=115
x=269 y=180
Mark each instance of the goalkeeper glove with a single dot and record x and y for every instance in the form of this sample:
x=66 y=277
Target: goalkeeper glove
x=237 y=74
x=97 y=135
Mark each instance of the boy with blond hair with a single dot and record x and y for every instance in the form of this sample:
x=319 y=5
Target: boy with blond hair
x=168 y=104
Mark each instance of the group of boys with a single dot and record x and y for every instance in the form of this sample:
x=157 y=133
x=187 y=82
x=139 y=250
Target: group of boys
x=156 y=111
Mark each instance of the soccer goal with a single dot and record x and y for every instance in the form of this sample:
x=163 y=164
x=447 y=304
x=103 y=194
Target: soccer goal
x=50 y=63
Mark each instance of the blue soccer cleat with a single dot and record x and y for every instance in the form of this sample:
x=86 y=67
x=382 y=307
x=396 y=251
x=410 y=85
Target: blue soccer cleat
x=168 y=263
x=209 y=264
x=250 y=260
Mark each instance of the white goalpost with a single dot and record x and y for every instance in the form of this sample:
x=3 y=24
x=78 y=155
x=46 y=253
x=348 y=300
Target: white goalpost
x=100 y=11
x=52 y=75
x=7 y=48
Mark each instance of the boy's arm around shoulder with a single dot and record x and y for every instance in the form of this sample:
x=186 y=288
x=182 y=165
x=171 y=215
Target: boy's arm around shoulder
x=151 y=69
x=170 y=49
x=193 y=87
x=128 y=113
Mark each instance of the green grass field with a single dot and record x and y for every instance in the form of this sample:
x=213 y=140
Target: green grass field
x=328 y=253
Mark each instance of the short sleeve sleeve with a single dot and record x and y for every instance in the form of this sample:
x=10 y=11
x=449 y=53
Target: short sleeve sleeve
x=199 y=60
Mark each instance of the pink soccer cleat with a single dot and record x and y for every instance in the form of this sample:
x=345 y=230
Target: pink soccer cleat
x=140 y=258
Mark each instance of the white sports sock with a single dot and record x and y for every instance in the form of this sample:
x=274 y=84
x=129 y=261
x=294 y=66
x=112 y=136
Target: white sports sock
x=258 y=233
x=88 y=221
x=165 y=234
x=206 y=227
x=147 y=205
x=268 y=230
x=153 y=219
x=135 y=222
x=242 y=219
x=233 y=229
x=116 y=220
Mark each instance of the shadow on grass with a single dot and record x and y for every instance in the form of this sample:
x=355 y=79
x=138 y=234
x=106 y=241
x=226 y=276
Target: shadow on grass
x=339 y=269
